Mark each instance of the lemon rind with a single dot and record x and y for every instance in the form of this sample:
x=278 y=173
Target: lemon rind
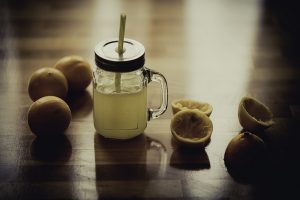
x=249 y=122
x=176 y=108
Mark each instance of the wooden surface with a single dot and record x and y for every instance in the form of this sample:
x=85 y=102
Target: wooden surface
x=210 y=50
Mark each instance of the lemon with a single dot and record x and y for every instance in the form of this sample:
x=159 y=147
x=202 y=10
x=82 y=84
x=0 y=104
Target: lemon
x=191 y=127
x=47 y=82
x=185 y=104
x=245 y=154
x=254 y=115
x=49 y=115
x=77 y=71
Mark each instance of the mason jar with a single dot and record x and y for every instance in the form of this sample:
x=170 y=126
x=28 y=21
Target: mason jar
x=120 y=81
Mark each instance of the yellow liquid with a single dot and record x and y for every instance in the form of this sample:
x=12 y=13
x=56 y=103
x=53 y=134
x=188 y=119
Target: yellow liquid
x=120 y=115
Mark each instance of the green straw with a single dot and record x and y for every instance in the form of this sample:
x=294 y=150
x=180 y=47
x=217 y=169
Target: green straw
x=120 y=50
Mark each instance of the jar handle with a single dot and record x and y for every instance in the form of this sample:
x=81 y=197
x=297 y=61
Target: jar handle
x=152 y=75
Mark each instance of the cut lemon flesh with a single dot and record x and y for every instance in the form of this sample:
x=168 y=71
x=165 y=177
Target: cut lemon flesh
x=191 y=127
x=188 y=104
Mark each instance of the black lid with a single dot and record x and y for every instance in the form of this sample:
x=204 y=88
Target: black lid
x=108 y=58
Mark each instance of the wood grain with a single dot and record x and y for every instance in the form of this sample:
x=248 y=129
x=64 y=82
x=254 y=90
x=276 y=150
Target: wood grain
x=210 y=50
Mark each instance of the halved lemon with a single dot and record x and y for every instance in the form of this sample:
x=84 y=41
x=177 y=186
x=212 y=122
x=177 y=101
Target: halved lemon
x=192 y=127
x=189 y=104
x=254 y=115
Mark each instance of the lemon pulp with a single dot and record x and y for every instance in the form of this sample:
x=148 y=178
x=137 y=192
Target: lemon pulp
x=191 y=127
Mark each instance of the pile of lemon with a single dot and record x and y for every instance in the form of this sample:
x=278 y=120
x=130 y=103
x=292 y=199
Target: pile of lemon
x=246 y=152
x=49 y=114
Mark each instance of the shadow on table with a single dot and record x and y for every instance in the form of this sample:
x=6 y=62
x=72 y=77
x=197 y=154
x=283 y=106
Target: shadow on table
x=194 y=158
x=81 y=104
x=51 y=148
x=127 y=168
x=247 y=176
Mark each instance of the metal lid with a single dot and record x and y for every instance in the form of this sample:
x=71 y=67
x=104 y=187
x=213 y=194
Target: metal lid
x=108 y=58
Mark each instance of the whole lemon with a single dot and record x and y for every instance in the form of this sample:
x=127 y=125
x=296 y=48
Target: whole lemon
x=49 y=115
x=245 y=155
x=47 y=82
x=77 y=71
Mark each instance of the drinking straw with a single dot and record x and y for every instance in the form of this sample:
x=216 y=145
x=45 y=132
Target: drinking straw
x=120 y=50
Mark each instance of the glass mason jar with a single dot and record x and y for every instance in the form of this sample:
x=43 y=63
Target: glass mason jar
x=120 y=90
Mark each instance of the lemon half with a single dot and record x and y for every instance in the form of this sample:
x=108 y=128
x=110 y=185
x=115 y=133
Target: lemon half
x=188 y=104
x=254 y=115
x=192 y=127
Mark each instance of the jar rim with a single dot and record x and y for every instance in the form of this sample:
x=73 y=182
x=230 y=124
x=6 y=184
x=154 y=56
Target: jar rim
x=107 y=57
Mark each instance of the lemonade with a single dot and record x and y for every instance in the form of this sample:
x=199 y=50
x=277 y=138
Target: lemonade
x=120 y=115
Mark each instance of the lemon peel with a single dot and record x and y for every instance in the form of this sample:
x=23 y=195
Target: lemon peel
x=47 y=81
x=254 y=115
x=77 y=71
x=245 y=155
x=49 y=115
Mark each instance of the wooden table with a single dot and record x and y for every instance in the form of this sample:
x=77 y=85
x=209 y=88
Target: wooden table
x=209 y=50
